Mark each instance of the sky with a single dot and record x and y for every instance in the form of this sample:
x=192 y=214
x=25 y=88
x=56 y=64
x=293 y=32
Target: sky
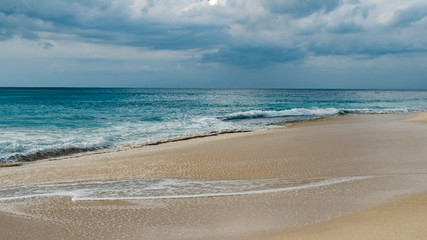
x=214 y=43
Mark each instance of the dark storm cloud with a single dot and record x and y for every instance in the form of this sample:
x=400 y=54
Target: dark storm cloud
x=407 y=16
x=247 y=33
x=253 y=57
x=300 y=8
x=100 y=21
x=12 y=25
x=368 y=48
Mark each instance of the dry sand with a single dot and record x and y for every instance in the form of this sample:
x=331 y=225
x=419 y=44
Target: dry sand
x=389 y=151
x=400 y=220
x=419 y=117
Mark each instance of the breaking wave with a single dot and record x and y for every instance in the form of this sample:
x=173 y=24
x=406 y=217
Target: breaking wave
x=48 y=153
x=282 y=113
x=320 y=112
x=62 y=152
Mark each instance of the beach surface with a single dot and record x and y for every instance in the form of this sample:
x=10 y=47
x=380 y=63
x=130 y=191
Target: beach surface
x=349 y=177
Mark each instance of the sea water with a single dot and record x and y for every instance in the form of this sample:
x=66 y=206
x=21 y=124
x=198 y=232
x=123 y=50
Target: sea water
x=37 y=123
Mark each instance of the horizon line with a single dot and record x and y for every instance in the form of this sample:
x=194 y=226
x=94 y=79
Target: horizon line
x=222 y=88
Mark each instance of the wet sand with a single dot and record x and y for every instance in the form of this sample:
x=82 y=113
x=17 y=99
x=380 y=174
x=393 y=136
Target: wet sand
x=390 y=152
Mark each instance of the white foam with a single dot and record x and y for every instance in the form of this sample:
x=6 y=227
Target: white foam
x=15 y=143
x=283 y=113
x=380 y=111
x=32 y=143
x=273 y=190
x=151 y=189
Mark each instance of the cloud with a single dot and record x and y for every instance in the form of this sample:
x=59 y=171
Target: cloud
x=356 y=48
x=117 y=22
x=409 y=15
x=300 y=8
x=254 y=57
x=16 y=25
x=238 y=33
x=46 y=45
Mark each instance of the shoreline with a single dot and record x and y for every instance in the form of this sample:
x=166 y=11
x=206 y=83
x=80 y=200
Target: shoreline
x=345 y=146
x=75 y=153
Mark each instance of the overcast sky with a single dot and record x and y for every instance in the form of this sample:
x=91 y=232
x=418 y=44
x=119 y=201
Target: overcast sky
x=215 y=43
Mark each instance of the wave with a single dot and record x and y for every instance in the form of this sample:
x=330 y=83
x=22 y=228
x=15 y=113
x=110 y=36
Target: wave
x=28 y=147
x=49 y=153
x=282 y=113
x=62 y=152
x=376 y=111
x=320 y=112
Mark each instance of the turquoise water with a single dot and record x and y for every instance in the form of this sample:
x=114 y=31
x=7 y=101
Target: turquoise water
x=37 y=123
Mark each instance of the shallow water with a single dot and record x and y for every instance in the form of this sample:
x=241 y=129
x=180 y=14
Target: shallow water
x=144 y=189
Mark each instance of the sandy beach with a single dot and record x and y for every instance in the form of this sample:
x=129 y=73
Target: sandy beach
x=354 y=177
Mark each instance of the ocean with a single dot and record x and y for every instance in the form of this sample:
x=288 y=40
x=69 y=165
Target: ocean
x=37 y=123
